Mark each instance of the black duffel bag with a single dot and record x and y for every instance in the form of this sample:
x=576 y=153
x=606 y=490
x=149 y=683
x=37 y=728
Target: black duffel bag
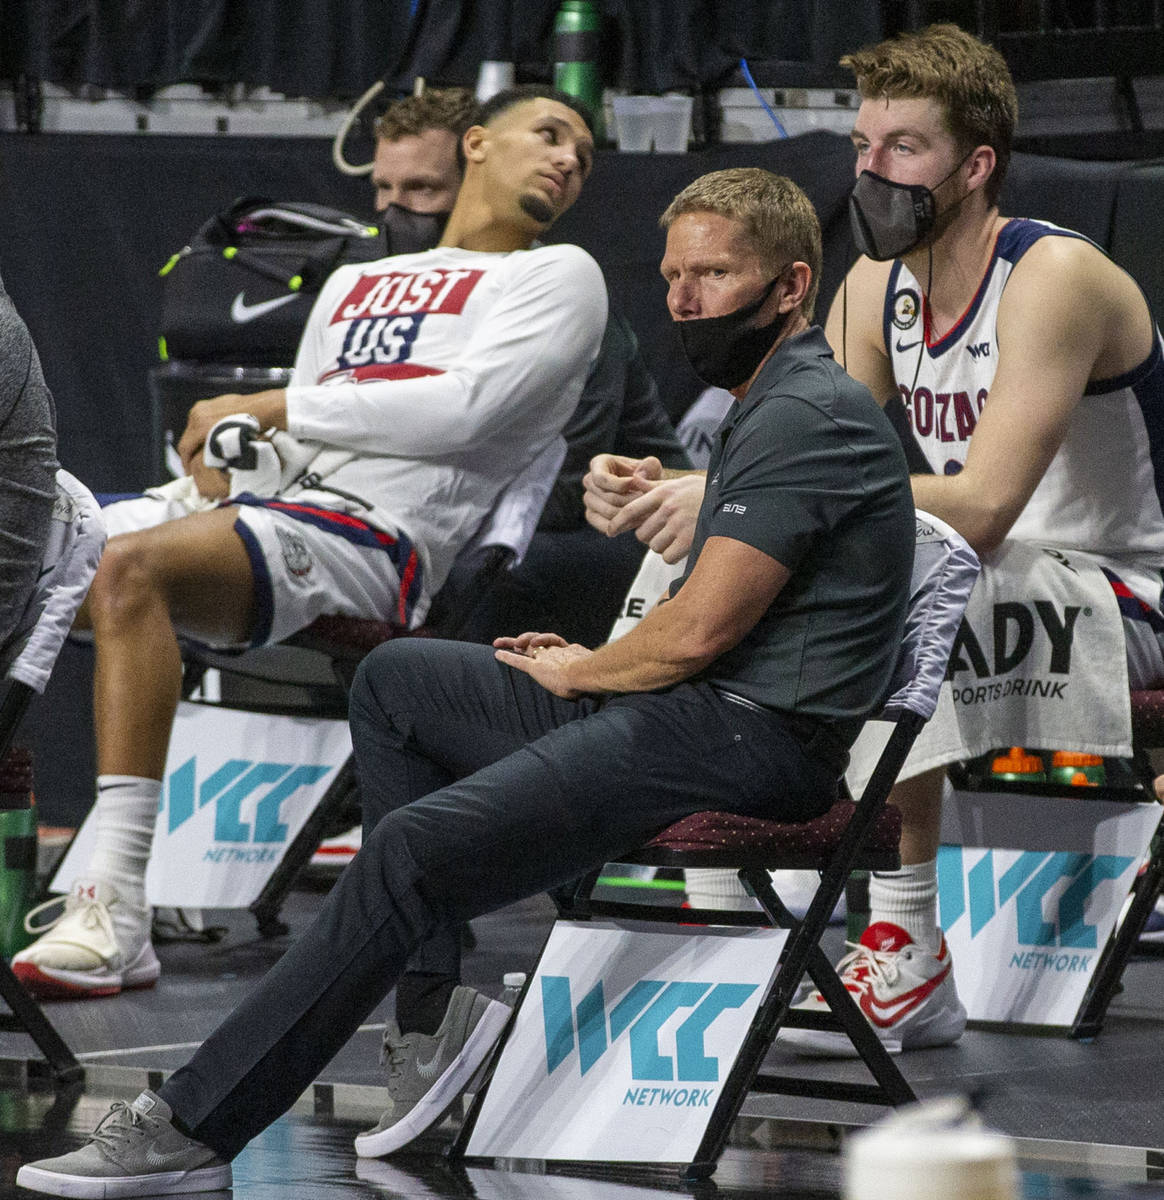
x=241 y=291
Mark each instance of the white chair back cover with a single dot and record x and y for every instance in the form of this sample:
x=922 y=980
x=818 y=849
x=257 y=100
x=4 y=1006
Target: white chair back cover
x=944 y=572
x=518 y=509
x=76 y=540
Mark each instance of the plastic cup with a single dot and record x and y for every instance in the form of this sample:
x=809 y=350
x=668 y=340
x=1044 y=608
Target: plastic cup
x=935 y=1150
x=493 y=77
x=633 y=122
x=671 y=121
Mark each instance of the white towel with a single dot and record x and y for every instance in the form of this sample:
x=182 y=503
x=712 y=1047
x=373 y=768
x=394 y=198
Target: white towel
x=1040 y=662
x=75 y=542
x=653 y=579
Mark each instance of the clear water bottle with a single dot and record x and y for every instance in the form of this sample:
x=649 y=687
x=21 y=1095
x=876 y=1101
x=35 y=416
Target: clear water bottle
x=512 y=983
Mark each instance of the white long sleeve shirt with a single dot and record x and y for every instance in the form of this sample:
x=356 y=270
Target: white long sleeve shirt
x=424 y=382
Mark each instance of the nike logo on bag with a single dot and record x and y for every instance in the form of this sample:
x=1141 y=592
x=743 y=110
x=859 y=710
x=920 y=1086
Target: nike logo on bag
x=241 y=312
x=901 y=349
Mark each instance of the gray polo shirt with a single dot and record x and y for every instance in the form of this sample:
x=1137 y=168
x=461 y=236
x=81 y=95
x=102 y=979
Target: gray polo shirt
x=807 y=469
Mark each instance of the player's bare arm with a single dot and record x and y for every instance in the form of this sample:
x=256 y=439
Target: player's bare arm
x=269 y=408
x=854 y=329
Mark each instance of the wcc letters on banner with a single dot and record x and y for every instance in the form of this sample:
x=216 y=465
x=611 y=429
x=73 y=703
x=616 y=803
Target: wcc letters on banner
x=1029 y=890
x=238 y=788
x=623 y=1041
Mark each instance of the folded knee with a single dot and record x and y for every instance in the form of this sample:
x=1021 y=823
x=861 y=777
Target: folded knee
x=387 y=673
x=124 y=576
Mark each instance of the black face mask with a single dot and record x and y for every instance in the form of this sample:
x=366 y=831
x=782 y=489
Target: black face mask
x=724 y=351
x=408 y=232
x=890 y=219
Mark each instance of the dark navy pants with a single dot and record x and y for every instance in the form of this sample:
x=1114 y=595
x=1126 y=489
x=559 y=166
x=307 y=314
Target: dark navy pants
x=550 y=789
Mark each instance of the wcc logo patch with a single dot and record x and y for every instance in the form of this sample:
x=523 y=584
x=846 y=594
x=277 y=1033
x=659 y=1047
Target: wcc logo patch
x=259 y=788
x=1048 y=893
x=906 y=307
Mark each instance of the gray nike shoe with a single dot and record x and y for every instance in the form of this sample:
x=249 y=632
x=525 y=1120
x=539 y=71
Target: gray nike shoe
x=134 y=1151
x=426 y=1074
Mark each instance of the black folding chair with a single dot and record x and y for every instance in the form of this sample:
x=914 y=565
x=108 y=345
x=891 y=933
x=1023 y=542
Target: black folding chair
x=1147 y=734
x=850 y=836
x=76 y=540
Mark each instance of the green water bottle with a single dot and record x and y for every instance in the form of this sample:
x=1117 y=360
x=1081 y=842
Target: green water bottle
x=856 y=905
x=577 y=34
x=1079 y=770
x=1017 y=766
x=17 y=850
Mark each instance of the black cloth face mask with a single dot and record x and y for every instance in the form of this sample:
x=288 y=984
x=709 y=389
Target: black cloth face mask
x=889 y=219
x=724 y=351
x=408 y=232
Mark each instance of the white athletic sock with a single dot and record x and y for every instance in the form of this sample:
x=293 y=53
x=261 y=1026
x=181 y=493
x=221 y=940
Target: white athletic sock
x=908 y=898
x=717 y=887
x=127 y=810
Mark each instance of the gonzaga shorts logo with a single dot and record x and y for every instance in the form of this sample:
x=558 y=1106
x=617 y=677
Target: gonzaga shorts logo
x=296 y=556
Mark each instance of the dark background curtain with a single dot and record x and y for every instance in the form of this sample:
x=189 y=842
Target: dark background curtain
x=336 y=48
x=318 y=48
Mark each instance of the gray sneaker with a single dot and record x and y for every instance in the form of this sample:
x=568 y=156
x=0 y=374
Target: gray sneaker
x=134 y=1151
x=426 y=1074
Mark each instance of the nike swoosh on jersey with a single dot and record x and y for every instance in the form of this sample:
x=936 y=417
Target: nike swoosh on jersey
x=908 y=345
x=885 y=1014
x=241 y=312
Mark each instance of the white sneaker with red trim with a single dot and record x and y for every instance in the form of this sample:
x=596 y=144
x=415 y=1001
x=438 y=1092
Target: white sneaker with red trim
x=98 y=945
x=906 y=992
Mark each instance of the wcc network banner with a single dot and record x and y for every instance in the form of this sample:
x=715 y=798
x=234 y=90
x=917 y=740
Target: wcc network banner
x=237 y=789
x=1026 y=927
x=623 y=1041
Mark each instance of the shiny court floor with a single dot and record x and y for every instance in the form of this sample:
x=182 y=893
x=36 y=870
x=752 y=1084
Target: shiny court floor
x=304 y=1155
x=1088 y=1118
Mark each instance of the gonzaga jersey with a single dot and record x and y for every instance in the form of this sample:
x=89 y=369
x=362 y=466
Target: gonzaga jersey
x=1103 y=489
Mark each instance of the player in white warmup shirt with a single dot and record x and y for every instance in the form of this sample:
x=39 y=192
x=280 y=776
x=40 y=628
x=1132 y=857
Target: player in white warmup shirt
x=424 y=383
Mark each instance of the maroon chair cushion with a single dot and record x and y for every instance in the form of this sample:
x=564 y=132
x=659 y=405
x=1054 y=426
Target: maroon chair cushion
x=1148 y=719
x=348 y=637
x=725 y=839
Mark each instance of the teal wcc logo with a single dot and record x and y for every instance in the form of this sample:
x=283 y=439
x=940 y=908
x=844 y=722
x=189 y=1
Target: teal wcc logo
x=640 y=1014
x=236 y=781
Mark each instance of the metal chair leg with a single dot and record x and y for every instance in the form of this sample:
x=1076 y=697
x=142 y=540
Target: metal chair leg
x=26 y=1016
